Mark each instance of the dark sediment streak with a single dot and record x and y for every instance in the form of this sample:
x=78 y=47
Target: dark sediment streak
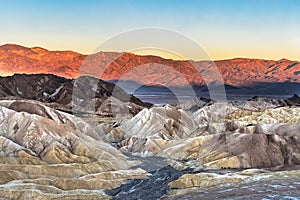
x=156 y=185
x=153 y=187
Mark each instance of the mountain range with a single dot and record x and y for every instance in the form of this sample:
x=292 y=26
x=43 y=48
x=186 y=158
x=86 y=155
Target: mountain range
x=147 y=70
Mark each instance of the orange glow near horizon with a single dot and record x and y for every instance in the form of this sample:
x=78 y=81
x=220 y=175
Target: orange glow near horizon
x=214 y=53
x=159 y=52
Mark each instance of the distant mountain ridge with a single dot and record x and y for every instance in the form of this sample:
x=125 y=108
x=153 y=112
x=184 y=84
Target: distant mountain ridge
x=148 y=70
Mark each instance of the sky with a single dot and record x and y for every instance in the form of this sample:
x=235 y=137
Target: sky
x=268 y=29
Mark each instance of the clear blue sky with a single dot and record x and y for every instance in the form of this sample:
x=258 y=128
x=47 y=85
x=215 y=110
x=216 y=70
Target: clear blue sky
x=225 y=28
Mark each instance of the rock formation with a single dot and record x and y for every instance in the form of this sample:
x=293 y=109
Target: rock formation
x=51 y=154
x=250 y=183
x=221 y=135
x=84 y=94
x=83 y=138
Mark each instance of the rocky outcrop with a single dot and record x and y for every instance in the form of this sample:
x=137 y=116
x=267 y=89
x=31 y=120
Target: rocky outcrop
x=157 y=122
x=237 y=150
x=204 y=180
x=59 y=138
x=250 y=183
x=83 y=95
x=221 y=135
x=45 y=153
x=292 y=101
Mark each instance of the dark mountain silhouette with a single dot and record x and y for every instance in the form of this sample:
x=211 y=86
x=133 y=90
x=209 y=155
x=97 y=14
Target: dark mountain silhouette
x=86 y=94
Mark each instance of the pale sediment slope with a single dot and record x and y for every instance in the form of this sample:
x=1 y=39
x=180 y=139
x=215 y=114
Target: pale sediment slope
x=50 y=154
x=220 y=135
